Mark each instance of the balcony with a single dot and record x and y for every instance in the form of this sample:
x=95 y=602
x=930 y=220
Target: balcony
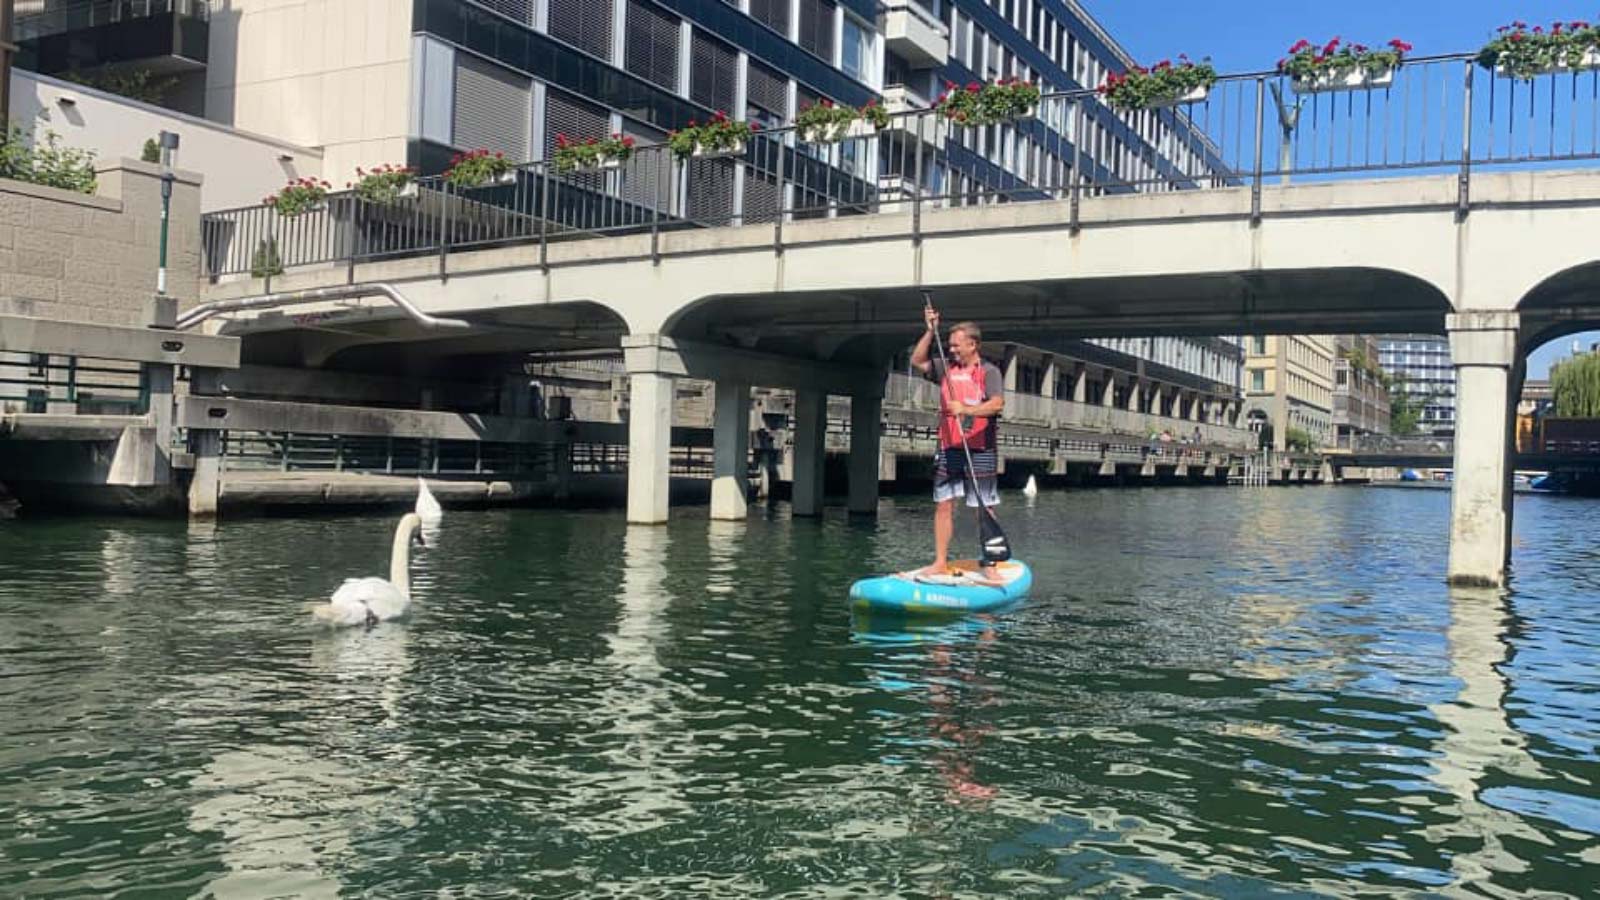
x=160 y=36
x=912 y=33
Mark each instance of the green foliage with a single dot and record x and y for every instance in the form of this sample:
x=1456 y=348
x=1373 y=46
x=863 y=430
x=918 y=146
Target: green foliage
x=140 y=84
x=476 y=167
x=1524 y=53
x=721 y=133
x=1307 y=62
x=826 y=123
x=383 y=184
x=301 y=195
x=265 y=261
x=1299 y=439
x=1575 y=386
x=590 y=154
x=1164 y=82
x=151 y=152
x=1405 y=409
x=49 y=164
x=987 y=104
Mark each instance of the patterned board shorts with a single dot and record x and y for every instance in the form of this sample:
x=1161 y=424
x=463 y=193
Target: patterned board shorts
x=949 y=482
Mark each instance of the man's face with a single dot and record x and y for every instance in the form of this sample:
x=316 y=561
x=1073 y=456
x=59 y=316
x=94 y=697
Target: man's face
x=963 y=346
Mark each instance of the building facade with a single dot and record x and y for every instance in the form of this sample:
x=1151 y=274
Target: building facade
x=1289 y=388
x=1360 y=391
x=367 y=82
x=1421 y=363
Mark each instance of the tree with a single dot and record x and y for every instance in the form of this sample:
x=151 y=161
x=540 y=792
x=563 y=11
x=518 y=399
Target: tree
x=1405 y=408
x=1575 y=386
x=140 y=84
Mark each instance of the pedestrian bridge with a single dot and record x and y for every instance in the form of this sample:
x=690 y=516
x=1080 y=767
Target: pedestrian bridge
x=819 y=295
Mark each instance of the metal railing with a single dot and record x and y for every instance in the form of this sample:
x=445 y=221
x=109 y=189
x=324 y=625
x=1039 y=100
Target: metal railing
x=1441 y=113
x=40 y=382
x=94 y=13
x=282 y=451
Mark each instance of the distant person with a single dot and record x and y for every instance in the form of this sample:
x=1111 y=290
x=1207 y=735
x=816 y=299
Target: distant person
x=971 y=396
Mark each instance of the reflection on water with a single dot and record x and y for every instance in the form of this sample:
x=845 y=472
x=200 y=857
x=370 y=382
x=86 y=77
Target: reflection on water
x=1213 y=693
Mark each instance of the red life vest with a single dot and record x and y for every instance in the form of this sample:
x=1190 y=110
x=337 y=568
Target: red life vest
x=964 y=384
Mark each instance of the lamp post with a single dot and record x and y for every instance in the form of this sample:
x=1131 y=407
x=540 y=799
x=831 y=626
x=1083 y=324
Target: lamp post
x=169 y=143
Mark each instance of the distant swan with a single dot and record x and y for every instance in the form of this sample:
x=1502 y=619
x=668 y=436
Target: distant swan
x=1031 y=488
x=428 y=508
x=368 y=601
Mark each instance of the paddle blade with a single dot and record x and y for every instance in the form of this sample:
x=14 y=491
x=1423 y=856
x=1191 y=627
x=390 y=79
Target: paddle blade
x=996 y=548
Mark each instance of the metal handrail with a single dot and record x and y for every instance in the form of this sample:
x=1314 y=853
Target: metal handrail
x=1433 y=116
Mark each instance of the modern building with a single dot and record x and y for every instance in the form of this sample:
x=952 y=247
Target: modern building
x=1289 y=388
x=1360 y=391
x=1421 y=362
x=365 y=82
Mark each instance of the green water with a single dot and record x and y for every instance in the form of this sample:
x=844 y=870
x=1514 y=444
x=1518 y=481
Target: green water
x=1212 y=692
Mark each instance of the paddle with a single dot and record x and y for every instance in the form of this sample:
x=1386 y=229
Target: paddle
x=991 y=537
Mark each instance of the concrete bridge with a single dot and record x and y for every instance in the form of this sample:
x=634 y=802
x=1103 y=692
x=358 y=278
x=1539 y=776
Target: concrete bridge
x=821 y=306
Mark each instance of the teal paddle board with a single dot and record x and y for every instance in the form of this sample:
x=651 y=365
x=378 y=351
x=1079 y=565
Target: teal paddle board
x=961 y=591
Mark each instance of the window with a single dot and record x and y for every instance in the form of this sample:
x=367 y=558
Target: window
x=1258 y=345
x=493 y=108
x=767 y=95
x=772 y=13
x=652 y=45
x=1258 y=380
x=816 y=27
x=713 y=70
x=584 y=24
x=855 y=54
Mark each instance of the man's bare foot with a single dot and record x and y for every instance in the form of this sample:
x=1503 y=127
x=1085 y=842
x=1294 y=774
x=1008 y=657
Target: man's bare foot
x=935 y=569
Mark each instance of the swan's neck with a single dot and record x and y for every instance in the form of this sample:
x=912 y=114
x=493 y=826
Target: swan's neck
x=400 y=556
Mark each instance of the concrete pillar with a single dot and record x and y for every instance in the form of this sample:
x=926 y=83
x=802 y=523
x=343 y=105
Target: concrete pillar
x=1483 y=348
x=730 y=464
x=1047 y=377
x=205 y=481
x=1108 y=394
x=810 y=450
x=866 y=432
x=650 y=398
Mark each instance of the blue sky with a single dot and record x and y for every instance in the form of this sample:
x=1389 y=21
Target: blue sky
x=1250 y=35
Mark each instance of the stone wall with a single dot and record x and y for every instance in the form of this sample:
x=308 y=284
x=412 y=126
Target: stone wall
x=84 y=258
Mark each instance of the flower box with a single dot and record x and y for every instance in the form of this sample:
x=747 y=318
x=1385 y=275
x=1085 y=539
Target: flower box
x=500 y=179
x=1590 y=61
x=701 y=151
x=601 y=164
x=1197 y=95
x=409 y=191
x=839 y=131
x=1333 y=82
x=321 y=206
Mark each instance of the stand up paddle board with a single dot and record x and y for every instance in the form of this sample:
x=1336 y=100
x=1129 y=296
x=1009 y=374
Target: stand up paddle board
x=962 y=591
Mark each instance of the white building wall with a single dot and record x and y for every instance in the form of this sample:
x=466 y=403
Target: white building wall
x=239 y=168
x=334 y=74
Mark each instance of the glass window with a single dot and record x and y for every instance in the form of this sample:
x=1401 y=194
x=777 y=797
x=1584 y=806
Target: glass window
x=856 y=52
x=652 y=45
x=816 y=27
x=584 y=24
x=1258 y=380
x=714 y=69
x=772 y=13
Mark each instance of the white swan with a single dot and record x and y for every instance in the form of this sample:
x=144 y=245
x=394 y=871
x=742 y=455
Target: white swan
x=428 y=508
x=367 y=601
x=1031 y=489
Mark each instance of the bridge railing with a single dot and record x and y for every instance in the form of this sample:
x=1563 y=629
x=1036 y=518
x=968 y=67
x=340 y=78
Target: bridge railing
x=1436 y=114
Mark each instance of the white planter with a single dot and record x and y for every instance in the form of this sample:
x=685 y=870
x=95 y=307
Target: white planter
x=1197 y=95
x=703 y=152
x=832 y=134
x=306 y=211
x=409 y=190
x=1359 y=80
x=1591 y=60
x=507 y=177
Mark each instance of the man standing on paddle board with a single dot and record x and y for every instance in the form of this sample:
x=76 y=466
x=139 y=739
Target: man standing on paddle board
x=971 y=395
